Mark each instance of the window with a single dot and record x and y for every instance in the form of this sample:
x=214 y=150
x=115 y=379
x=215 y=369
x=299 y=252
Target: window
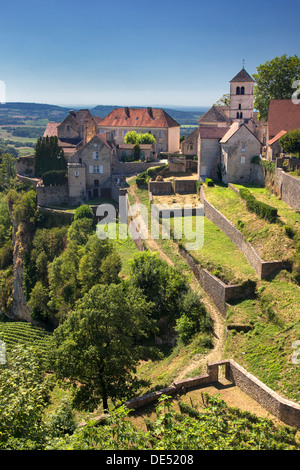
x=242 y=90
x=243 y=146
x=95 y=156
x=159 y=134
x=238 y=115
x=125 y=132
x=241 y=115
x=96 y=168
x=238 y=91
x=102 y=131
x=243 y=160
x=240 y=106
x=95 y=146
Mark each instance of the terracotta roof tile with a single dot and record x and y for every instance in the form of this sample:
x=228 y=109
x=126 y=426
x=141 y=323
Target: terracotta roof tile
x=213 y=132
x=277 y=136
x=51 y=129
x=138 y=117
x=283 y=114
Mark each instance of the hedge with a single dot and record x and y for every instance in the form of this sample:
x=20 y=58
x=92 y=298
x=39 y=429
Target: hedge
x=55 y=178
x=143 y=178
x=260 y=208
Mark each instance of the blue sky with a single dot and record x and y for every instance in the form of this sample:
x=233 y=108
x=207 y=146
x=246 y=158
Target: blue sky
x=160 y=52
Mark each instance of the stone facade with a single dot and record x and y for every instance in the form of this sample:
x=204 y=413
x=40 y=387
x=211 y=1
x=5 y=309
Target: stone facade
x=89 y=170
x=288 y=188
x=238 y=147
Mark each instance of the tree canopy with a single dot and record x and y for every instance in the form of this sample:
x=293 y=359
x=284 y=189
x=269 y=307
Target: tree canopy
x=99 y=344
x=48 y=156
x=274 y=80
x=290 y=142
x=133 y=137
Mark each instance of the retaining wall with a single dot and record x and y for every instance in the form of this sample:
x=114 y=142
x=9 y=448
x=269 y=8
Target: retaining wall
x=286 y=411
x=133 y=168
x=52 y=195
x=182 y=186
x=288 y=188
x=261 y=267
x=161 y=188
x=218 y=291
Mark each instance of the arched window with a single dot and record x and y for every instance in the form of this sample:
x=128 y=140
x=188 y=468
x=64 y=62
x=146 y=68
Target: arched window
x=241 y=115
x=238 y=115
x=242 y=90
x=240 y=106
x=238 y=91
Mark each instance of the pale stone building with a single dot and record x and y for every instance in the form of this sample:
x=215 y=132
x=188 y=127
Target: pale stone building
x=157 y=122
x=220 y=122
x=238 y=148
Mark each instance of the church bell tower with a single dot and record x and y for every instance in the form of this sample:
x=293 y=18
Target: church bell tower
x=241 y=97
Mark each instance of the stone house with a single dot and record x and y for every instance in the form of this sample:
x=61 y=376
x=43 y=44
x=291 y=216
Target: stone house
x=238 y=147
x=221 y=121
x=90 y=170
x=157 y=122
x=274 y=148
x=74 y=131
x=189 y=146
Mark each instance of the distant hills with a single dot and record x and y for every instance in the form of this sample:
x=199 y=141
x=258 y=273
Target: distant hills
x=15 y=113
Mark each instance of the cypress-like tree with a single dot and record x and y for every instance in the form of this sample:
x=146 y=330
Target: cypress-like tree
x=48 y=156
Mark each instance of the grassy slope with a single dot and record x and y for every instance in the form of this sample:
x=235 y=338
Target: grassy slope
x=270 y=240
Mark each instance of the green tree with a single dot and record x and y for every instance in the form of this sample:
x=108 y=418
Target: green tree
x=99 y=344
x=7 y=171
x=48 y=156
x=80 y=230
x=224 y=100
x=84 y=212
x=274 y=80
x=290 y=142
x=146 y=139
x=131 y=137
x=161 y=284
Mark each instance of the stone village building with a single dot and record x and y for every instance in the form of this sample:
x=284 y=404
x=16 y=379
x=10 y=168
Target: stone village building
x=94 y=149
x=228 y=137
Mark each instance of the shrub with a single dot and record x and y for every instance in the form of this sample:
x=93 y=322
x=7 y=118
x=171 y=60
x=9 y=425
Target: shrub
x=259 y=208
x=289 y=231
x=209 y=182
x=84 y=212
x=55 y=178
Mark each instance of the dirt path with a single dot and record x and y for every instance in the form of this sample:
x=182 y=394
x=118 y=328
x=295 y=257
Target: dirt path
x=217 y=353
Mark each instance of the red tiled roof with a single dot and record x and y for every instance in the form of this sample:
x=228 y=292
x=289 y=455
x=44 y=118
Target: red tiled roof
x=97 y=119
x=51 y=129
x=213 y=132
x=277 y=136
x=138 y=117
x=283 y=114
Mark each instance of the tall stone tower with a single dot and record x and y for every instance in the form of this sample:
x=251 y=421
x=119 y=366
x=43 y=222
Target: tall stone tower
x=241 y=97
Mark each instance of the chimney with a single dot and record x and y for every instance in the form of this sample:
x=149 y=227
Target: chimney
x=126 y=111
x=71 y=112
x=150 y=112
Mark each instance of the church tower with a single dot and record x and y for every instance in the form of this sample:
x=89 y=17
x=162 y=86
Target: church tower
x=241 y=97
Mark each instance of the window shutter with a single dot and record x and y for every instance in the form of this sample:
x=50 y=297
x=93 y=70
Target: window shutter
x=91 y=169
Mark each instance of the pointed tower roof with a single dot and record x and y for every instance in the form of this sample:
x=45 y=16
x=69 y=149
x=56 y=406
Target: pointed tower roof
x=242 y=76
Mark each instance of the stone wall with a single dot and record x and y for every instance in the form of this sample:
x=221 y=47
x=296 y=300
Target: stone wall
x=25 y=166
x=286 y=411
x=288 y=188
x=133 y=168
x=161 y=188
x=182 y=186
x=219 y=292
x=261 y=267
x=52 y=195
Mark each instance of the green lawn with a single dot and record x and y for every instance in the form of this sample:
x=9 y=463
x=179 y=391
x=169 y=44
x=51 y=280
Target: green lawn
x=220 y=255
x=268 y=239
